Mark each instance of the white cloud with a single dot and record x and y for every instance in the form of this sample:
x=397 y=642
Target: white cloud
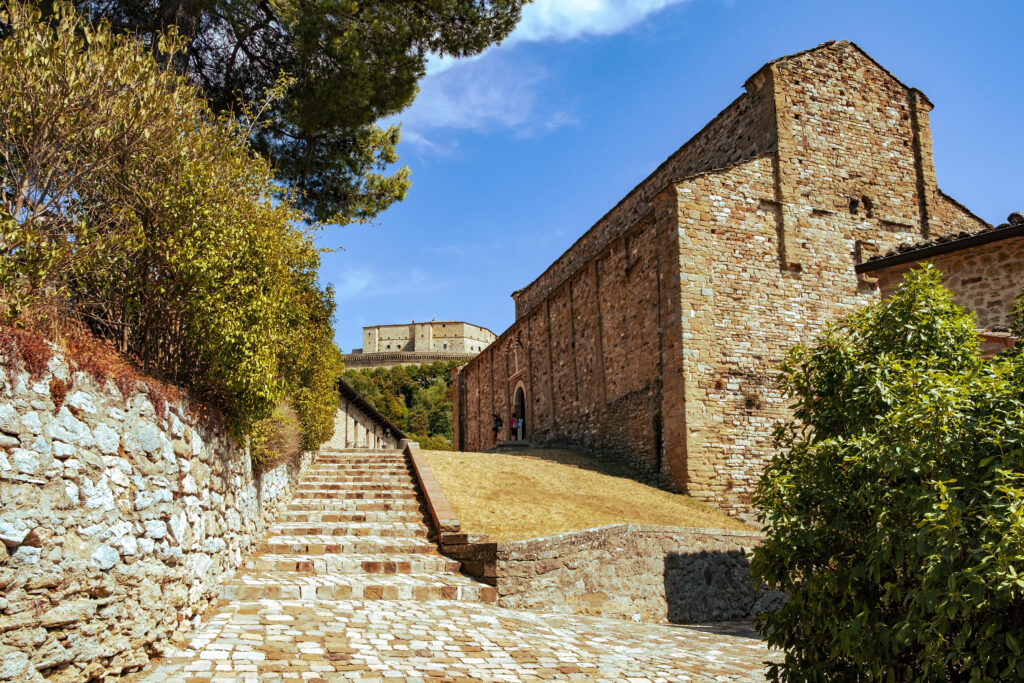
x=486 y=94
x=569 y=19
x=353 y=283
x=562 y=20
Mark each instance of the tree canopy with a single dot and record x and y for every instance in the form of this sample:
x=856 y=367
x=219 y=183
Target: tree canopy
x=894 y=509
x=351 y=62
x=416 y=398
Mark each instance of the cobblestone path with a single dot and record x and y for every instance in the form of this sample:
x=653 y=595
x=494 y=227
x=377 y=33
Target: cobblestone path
x=349 y=585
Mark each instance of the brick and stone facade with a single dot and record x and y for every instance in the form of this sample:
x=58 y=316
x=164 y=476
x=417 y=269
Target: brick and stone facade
x=657 y=335
x=419 y=343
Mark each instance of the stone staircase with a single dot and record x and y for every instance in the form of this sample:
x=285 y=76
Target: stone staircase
x=350 y=586
x=354 y=531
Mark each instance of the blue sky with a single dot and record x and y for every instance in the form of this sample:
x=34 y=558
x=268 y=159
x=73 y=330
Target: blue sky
x=516 y=153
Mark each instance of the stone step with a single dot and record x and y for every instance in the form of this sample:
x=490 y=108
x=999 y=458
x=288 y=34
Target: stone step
x=339 y=465
x=272 y=585
x=369 y=477
x=354 y=495
x=315 y=544
x=360 y=529
x=354 y=472
x=341 y=505
x=321 y=516
x=345 y=486
x=370 y=480
x=362 y=459
x=353 y=564
x=353 y=449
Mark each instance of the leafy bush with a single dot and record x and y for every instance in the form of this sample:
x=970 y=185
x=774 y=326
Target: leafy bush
x=417 y=398
x=126 y=204
x=895 y=506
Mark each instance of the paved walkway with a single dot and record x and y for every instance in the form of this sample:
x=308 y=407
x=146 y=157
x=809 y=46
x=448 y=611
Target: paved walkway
x=349 y=585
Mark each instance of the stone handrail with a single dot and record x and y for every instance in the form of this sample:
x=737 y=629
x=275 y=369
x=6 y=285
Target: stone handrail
x=441 y=513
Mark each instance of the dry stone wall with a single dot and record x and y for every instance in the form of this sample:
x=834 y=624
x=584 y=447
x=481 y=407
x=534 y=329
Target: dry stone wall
x=638 y=572
x=117 y=521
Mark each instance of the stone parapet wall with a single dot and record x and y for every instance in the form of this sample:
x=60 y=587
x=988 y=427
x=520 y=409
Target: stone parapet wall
x=118 y=520
x=627 y=571
x=389 y=359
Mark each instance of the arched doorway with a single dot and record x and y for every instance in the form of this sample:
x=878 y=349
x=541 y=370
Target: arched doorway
x=520 y=412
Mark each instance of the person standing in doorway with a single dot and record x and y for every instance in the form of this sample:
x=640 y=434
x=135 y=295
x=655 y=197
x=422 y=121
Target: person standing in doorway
x=497 y=427
x=512 y=427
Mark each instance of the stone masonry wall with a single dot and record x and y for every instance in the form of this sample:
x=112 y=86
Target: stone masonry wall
x=118 y=522
x=657 y=336
x=985 y=279
x=638 y=572
x=742 y=130
x=588 y=359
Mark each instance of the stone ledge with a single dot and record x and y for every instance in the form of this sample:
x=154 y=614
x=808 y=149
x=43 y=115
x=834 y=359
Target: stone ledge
x=441 y=513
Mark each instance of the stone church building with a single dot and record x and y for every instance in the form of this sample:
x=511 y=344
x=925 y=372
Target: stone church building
x=656 y=336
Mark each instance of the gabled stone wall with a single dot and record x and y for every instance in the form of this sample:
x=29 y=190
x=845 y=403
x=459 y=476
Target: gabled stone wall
x=657 y=336
x=117 y=521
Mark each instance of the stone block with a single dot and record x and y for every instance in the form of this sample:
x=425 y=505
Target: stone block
x=68 y=613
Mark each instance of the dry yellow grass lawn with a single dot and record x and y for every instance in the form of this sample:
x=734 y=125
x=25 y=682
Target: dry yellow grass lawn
x=539 y=492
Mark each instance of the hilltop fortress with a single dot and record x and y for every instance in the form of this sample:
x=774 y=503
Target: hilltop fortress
x=419 y=343
x=657 y=335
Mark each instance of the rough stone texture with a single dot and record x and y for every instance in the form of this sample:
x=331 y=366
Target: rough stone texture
x=118 y=524
x=985 y=279
x=656 y=337
x=626 y=571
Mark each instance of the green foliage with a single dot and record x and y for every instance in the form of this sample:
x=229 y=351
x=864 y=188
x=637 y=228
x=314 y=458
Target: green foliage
x=895 y=506
x=1017 y=321
x=127 y=204
x=417 y=398
x=352 y=62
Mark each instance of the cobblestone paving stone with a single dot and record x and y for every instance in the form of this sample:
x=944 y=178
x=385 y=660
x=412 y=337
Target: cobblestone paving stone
x=400 y=612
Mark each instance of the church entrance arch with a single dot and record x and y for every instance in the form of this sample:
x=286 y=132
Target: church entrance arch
x=519 y=411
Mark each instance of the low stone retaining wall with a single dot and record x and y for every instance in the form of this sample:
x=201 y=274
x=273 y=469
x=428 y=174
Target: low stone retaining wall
x=118 y=520
x=630 y=571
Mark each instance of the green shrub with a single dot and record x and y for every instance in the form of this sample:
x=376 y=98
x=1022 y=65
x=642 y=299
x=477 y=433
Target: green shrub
x=894 y=508
x=128 y=205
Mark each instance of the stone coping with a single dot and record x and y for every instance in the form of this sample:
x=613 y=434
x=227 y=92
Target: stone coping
x=603 y=532
x=441 y=513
